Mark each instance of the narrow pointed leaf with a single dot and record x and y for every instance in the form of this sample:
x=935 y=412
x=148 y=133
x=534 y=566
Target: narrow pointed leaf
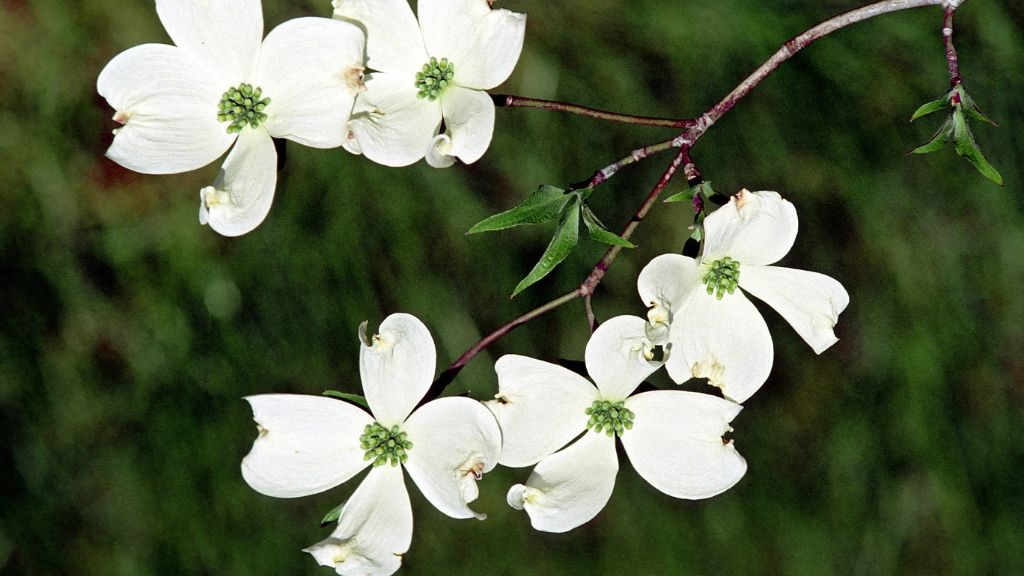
x=974 y=156
x=353 y=398
x=541 y=205
x=930 y=107
x=688 y=194
x=967 y=147
x=332 y=515
x=939 y=139
x=974 y=112
x=562 y=243
x=599 y=232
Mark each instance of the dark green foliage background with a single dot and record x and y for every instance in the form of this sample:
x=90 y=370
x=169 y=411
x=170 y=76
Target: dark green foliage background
x=130 y=333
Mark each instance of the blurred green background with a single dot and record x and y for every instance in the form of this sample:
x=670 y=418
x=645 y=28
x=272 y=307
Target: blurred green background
x=130 y=333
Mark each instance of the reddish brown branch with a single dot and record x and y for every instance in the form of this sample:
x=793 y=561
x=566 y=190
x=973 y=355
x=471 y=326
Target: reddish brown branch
x=693 y=130
x=510 y=101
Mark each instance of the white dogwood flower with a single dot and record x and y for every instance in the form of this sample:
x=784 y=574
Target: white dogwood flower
x=220 y=84
x=427 y=71
x=715 y=332
x=673 y=438
x=308 y=444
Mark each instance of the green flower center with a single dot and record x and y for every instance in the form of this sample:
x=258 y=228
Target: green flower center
x=609 y=417
x=434 y=77
x=242 y=106
x=383 y=445
x=724 y=276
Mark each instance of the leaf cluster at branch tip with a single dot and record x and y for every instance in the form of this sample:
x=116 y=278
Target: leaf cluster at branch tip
x=955 y=128
x=548 y=203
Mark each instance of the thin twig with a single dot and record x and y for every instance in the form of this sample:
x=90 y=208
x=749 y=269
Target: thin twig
x=790 y=48
x=597 y=274
x=693 y=130
x=608 y=171
x=591 y=317
x=446 y=377
x=947 y=40
x=510 y=101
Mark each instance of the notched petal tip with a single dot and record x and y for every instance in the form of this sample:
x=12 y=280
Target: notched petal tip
x=740 y=198
x=354 y=79
x=439 y=153
x=519 y=495
x=467 y=475
x=346 y=558
x=362 y=333
x=711 y=369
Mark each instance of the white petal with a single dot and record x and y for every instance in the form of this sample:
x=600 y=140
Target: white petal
x=240 y=198
x=393 y=40
x=397 y=367
x=391 y=125
x=482 y=43
x=311 y=69
x=439 y=154
x=676 y=443
x=374 y=530
x=569 y=488
x=168 y=104
x=725 y=341
x=226 y=33
x=454 y=442
x=306 y=444
x=667 y=281
x=540 y=407
x=616 y=359
x=809 y=301
x=753 y=228
x=469 y=121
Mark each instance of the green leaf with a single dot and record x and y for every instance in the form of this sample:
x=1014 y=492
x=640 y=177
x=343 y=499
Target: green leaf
x=688 y=194
x=962 y=137
x=974 y=112
x=930 y=107
x=986 y=169
x=353 y=398
x=967 y=147
x=599 y=232
x=332 y=515
x=541 y=205
x=938 y=140
x=565 y=239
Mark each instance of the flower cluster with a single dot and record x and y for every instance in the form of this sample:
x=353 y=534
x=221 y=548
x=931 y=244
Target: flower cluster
x=430 y=71
x=309 y=444
x=699 y=326
x=222 y=85
x=397 y=87
x=709 y=327
x=547 y=416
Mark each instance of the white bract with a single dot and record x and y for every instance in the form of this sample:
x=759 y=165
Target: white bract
x=673 y=438
x=428 y=71
x=714 y=331
x=308 y=444
x=182 y=106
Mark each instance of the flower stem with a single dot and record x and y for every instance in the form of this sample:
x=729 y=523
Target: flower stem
x=608 y=171
x=693 y=130
x=449 y=373
x=589 y=284
x=947 y=39
x=510 y=101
